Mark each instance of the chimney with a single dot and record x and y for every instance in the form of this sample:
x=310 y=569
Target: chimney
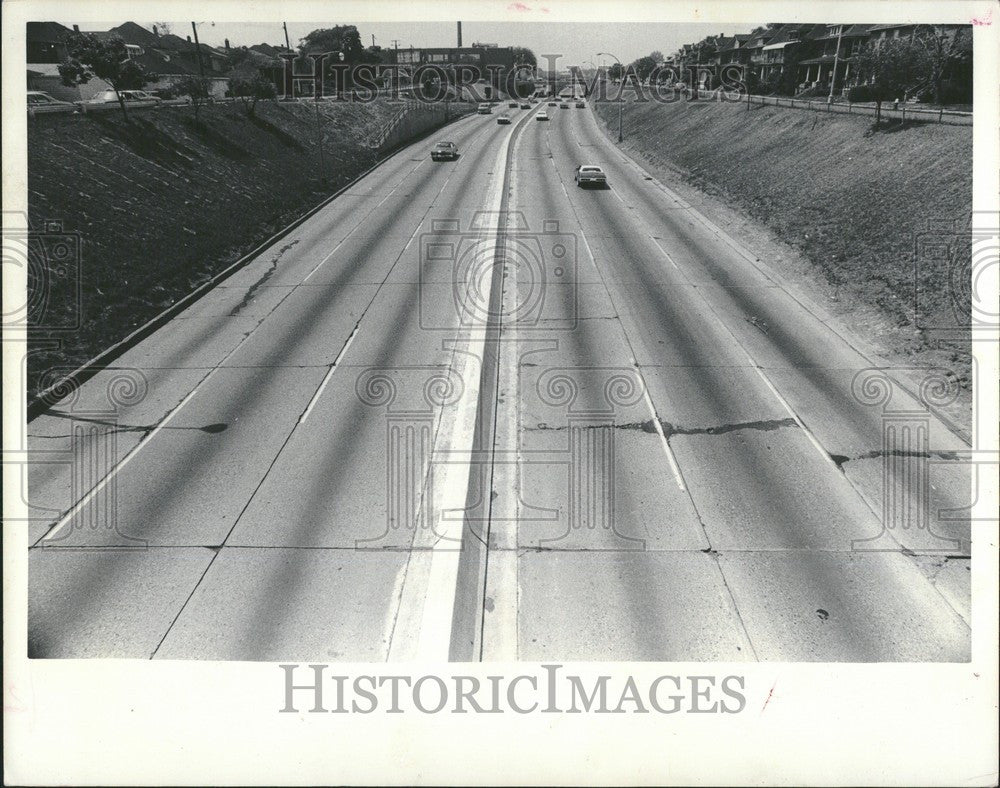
x=460 y=35
x=227 y=44
x=76 y=28
x=156 y=32
x=189 y=39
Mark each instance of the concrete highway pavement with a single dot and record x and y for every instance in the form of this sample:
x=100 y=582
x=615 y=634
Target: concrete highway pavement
x=662 y=451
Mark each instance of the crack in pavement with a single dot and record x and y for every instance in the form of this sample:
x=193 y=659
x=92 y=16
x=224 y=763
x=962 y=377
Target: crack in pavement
x=252 y=290
x=669 y=429
x=840 y=460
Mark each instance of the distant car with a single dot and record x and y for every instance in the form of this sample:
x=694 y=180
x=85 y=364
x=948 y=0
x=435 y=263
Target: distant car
x=590 y=175
x=132 y=98
x=552 y=103
x=511 y=105
x=42 y=103
x=543 y=115
x=484 y=109
x=503 y=120
x=564 y=105
x=444 y=151
x=525 y=105
x=581 y=105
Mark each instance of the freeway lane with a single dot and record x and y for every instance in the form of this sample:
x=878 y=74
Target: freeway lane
x=672 y=461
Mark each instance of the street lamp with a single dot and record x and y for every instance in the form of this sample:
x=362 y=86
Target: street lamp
x=621 y=91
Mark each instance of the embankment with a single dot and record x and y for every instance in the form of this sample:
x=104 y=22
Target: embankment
x=162 y=203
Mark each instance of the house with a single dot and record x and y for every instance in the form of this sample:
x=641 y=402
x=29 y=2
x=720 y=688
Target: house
x=833 y=49
x=45 y=49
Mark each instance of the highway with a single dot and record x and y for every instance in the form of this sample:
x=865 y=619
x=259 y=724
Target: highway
x=468 y=411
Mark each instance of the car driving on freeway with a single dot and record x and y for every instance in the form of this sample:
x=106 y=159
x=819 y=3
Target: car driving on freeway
x=590 y=175
x=444 y=151
x=543 y=115
x=503 y=120
x=581 y=105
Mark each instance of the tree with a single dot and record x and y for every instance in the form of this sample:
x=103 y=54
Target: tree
x=643 y=67
x=891 y=67
x=195 y=88
x=163 y=28
x=249 y=85
x=524 y=57
x=657 y=56
x=339 y=38
x=91 y=57
x=946 y=51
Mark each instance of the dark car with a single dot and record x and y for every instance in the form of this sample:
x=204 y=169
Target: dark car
x=444 y=151
x=503 y=120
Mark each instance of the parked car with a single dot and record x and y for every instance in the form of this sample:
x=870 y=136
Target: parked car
x=581 y=105
x=503 y=120
x=543 y=115
x=590 y=175
x=484 y=109
x=444 y=151
x=42 y=103
x=132 y=98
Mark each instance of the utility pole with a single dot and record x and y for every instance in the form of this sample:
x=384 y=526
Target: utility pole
x=197 y=49
x=373 y=40
x=288 y=45
x=836 y=57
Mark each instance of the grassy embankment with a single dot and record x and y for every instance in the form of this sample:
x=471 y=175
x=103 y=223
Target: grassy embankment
x=162 y=204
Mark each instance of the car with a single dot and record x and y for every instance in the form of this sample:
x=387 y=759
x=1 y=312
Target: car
x=590 y=175
x=511 y=105
x=525 y=105
x=42 y=103
x=581 y=105
x=132 y=98
x=484 y=109
x=564 y=105
x=444 y=151
x=552 y=103
x=543 y=115
x=503 y=120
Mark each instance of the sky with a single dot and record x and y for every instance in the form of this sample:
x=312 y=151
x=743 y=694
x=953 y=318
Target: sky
x=575 y=42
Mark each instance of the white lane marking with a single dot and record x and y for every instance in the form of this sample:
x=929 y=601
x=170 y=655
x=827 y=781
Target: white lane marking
x=499 y=639
x=117 y=469
x=425 y=615
x=375 y=208
x=329 y=374
x=753 y=364
x=675 y=468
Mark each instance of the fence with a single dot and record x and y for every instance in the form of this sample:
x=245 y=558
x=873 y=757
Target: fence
x=952 y=117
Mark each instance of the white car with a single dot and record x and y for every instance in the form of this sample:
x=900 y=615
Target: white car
x=590 y=175
x=543 y=115
x=132 y=98
x=42 y=103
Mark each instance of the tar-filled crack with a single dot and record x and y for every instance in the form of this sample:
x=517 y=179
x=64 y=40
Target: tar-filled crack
x=669 y=429
x=840 y=460
x=248 y=296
